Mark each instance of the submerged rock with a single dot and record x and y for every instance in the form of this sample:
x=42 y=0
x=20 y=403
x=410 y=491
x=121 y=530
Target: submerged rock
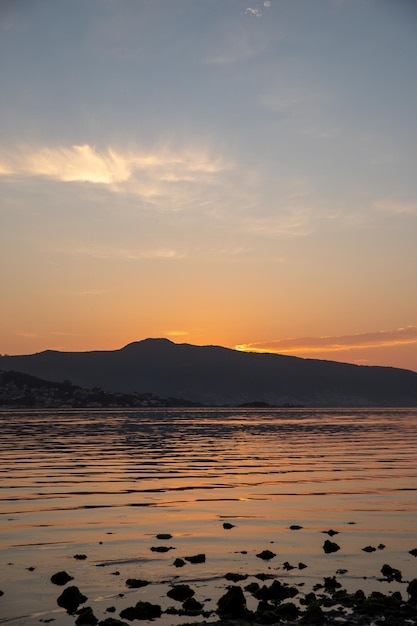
x=70 y=599
x=162 y=548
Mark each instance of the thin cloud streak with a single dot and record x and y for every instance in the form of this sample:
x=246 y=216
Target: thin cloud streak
x=345 y=343
x=84 y=163
x=127 y=254
x=396 y=207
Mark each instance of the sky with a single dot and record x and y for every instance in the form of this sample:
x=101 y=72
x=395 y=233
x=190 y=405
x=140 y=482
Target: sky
x=217 y=172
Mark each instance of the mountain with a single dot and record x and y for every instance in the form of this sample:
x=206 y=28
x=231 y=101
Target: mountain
x=214 y=375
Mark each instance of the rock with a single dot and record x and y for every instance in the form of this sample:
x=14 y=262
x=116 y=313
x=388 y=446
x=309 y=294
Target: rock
x=164 y=536
x=142 y=610
x=111 y=621
x=235 y=577
x=179 y=563
x=70 y=599
x=191 y=605
x=162 y=548
x=302 y=566
x=266 y=555
x=288 y=567
x=197 y=558
x=314 y=615
x=329 y=547
x=80 y=557
x=86 y=617
x=61 y=578
x=413 y=552
x=232 y=604
x=180 y=592
x=412 y=589
x=391 y=573
x=276 y=591
x=330 y=583
x=228 y=526
x=369 y=549
x=263 y=576
x=252 y=588
x=136 y=583
x=330 y=532
x=295 y=527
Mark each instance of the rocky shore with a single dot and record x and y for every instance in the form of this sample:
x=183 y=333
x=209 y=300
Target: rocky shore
x=273 y=601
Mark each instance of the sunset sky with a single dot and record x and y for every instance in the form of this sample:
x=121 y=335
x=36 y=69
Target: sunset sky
x=211 y=171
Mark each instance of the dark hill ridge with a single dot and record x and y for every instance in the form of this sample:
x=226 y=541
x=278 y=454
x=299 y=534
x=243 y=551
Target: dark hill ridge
x=214 y=375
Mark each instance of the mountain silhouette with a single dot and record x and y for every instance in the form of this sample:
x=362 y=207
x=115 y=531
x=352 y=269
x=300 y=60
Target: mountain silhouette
x=216 y=376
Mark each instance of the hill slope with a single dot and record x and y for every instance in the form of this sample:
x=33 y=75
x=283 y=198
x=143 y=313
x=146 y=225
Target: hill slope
x=216 y=375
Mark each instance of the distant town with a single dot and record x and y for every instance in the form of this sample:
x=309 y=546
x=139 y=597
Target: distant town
x=18 y=390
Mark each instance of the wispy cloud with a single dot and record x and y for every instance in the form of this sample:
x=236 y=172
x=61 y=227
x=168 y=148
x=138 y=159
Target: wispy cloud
x=307 y=346
x=292 y=221
x=41 y=335
x=257 y=10
x=85 y=163
x=396 y=207
x=125 y=254
x=286 y=97
x=176 y=333
x=253 y=11
x=5 y=170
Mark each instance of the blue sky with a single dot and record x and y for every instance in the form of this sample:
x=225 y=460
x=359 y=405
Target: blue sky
x=213 y=171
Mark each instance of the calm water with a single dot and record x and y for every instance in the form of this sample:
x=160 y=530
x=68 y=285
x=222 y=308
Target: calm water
x=104 y=482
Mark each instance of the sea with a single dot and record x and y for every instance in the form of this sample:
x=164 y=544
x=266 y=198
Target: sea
x=109 y=495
